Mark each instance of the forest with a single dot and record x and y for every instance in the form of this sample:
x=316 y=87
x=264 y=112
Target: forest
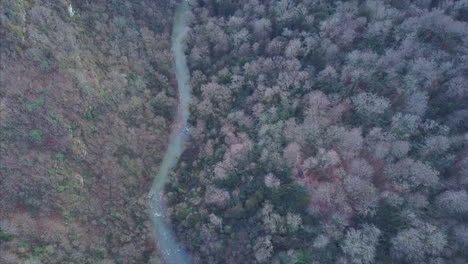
x=326 y=132
x=321 y=132
x=86 y=105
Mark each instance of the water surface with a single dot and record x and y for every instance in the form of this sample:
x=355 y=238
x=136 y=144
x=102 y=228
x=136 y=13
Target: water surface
x=171 y=250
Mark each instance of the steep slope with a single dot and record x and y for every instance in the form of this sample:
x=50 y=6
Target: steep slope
x=86 y=103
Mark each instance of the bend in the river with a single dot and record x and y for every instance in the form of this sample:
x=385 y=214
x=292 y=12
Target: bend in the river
x=170 y=249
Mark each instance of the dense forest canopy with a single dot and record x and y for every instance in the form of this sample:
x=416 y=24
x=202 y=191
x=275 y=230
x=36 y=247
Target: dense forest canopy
x=320 y=131
x=326 y=132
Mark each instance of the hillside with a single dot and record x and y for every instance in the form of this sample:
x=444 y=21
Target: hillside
x=86 y=104
x=326 y=132
x=319 y=132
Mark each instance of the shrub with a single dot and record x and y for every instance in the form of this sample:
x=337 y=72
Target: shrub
x=59 y=156
x=36 y=135
x=5 y=236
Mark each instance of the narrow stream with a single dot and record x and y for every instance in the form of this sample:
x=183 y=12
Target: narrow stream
x=171 y=250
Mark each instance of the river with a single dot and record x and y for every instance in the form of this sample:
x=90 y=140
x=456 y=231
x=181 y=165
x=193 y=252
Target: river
x=171 y=251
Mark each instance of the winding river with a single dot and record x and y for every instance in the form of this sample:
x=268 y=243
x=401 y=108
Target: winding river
x=170 y=249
